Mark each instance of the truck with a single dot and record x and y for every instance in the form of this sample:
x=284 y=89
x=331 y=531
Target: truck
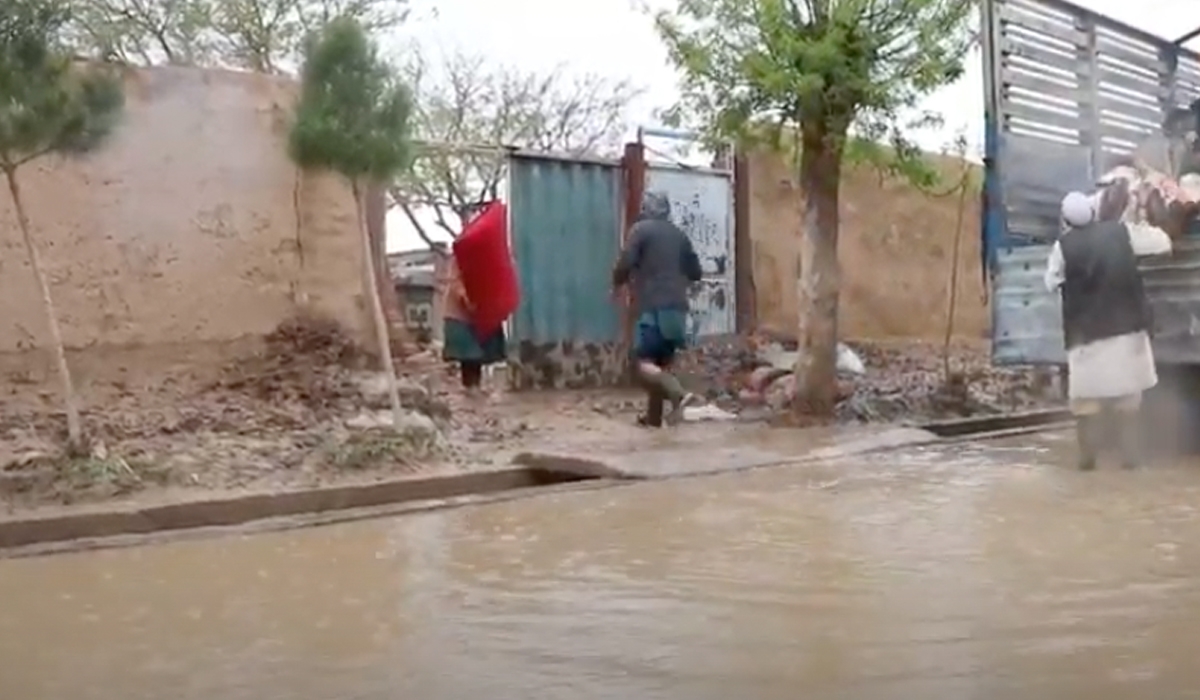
x=1067 y=90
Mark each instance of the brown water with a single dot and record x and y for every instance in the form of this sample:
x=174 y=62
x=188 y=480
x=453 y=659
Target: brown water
x=989 y=571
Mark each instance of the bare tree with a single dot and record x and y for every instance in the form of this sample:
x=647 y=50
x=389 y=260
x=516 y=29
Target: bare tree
x=262 y=34
x=469 y=113
x=145 y=32
x=259 y=35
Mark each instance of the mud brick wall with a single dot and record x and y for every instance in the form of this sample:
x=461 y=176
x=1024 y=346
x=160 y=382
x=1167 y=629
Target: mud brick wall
x=190 y=227
x=895 y=248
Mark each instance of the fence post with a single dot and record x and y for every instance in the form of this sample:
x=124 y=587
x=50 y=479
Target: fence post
x=743 y=248
x=633 y=170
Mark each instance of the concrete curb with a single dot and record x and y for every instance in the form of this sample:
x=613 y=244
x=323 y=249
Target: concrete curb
x=238 y=510
x=1025 y=423
x=305 y=520
x=531 y=473
x=973 y=426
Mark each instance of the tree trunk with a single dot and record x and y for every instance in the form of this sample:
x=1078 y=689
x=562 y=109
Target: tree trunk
x=952 y=304
x=818 y=280
x=375 y=210
x=75 y=443
x=380 y=322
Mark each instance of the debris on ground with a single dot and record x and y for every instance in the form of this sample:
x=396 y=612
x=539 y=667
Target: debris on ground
x=707 y=413
x=308 y=407
x=305 y=360
x=877 y=381
x=909 y=382
x=303 y=406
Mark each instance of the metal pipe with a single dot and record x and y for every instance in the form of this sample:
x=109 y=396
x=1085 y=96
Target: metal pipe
x=1187 y=37
x=479 y=148
x=665 y=133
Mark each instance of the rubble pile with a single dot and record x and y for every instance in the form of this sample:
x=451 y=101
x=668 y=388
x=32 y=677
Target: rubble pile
x=304 y=360
x=302 y=407
x=909 y=382
x=878 y=382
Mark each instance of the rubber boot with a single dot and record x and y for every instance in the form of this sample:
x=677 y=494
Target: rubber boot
x=679 y=398
x=1129 y=435
x=655 y=403
x=1087 y=435
x=655 y=398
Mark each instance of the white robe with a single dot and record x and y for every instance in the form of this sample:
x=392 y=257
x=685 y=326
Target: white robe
x=1113 y=367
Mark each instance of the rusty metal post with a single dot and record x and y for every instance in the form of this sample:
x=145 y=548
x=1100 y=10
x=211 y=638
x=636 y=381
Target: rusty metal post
x=743 y=249
x=633 y=169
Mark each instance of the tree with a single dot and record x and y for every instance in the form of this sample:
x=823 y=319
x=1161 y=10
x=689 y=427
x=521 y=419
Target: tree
x=259 y=35
x=468 y=113
x=145 y=32
x=352 y=118
x=837 y=77
x=51 y=107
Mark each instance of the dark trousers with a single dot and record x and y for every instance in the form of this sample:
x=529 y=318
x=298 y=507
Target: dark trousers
x=471 y=374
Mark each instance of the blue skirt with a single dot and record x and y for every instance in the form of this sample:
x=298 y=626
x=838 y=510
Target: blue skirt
x=462 y=345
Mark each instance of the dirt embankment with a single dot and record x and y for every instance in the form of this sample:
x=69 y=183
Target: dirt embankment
x=302 y=410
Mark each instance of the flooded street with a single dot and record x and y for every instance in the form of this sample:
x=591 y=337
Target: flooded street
x=974 y=570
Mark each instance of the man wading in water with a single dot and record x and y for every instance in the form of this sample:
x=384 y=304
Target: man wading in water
x=1106 y=318
x=660 y=263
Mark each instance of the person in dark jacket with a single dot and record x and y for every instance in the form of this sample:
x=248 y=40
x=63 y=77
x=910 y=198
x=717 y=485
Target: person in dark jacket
x=1106 y=318
x=660 y=264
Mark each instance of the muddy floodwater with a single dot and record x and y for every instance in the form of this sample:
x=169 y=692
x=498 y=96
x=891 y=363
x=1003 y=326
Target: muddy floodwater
x=988 y=570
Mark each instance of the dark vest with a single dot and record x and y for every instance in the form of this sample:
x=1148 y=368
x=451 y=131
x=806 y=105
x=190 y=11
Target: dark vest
x=1102 y=294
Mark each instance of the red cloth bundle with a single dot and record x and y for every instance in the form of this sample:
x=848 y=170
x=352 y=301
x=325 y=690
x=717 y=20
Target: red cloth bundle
x=486 y=268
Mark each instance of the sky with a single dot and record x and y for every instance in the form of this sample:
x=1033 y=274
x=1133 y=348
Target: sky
x=615 y=39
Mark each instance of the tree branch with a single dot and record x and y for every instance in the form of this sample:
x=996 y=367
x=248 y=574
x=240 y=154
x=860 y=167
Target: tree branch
x=465 y=100
x=412 y=219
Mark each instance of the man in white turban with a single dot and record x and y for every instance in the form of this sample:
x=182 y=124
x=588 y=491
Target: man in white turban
x=1106 y=321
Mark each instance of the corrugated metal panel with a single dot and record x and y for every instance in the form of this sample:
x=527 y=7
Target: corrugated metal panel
x=702 y=205
x=1173 y=286
x=564 y=224
x=1026 y=318
x=1066 y=87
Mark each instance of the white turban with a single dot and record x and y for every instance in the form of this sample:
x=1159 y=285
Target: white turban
x=1078 y=209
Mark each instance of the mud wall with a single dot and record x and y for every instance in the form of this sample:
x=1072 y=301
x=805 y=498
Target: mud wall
x=895 y=248
x=190 y=226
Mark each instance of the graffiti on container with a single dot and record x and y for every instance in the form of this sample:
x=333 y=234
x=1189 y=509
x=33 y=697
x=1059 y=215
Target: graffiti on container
x=708 y=302
x=701 y=204
x=709 y=235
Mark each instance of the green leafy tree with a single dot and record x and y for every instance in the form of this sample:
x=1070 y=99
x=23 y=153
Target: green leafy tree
x=833 y=80
x=49 y=106
x=352 y=118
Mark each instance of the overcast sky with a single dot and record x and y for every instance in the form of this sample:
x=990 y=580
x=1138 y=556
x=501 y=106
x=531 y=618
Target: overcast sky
x=614 y=38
